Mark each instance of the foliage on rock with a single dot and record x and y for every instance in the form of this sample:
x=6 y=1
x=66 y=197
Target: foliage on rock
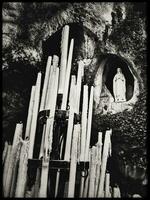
x=129 y=130
x=129 y=36
x=18 y=52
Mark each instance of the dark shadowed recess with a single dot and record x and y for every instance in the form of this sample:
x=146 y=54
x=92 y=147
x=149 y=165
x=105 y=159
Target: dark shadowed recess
x=52 y=46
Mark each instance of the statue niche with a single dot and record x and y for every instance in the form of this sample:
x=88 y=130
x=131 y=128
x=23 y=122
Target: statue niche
x=115 y=86
x=108 y=101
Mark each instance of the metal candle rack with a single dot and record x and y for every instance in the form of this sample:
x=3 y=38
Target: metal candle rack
x=61 y=116
x=34 y=164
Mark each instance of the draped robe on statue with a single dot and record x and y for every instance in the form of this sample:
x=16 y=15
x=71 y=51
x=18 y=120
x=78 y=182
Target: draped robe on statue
x=119 y=86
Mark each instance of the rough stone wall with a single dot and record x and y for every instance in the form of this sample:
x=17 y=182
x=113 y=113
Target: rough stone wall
x=10 y=14
x=92 y=15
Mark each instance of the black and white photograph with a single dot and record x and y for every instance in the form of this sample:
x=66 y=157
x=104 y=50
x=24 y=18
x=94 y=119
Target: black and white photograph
x=74 y=99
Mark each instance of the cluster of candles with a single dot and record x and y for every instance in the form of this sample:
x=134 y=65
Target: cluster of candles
x=58 y=81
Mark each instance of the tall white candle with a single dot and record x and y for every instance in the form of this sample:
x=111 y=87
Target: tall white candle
x=107 y=186
x=99 y=152
x=79 y=79
x=49 y=87
x=42 y=142
x=35 y=115
x=50 y=120
x=46 y=157
x=6 y=167
x=44 y=179
x=104 y=163
x=71 y=118
x=86 y=187
x=54 y=94
x=67 y=77
x=52 y=82
x=22 y=171
x=63 y=61
x=30 y=112
x=14 y=157
x=89 y=124
x=92 y=173
x=5 y=152
x=84 y=122
x=48 y=136
x=116 y=192
x=73 y=163
x=45 y=86
x=17 y=134
x=58 y=171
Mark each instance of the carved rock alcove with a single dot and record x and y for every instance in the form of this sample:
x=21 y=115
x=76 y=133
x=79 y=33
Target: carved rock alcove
x=103 y=93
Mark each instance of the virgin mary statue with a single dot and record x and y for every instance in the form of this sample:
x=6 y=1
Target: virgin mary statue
x=119 y=86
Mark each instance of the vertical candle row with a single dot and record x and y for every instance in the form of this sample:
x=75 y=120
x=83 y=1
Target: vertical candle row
x=11 y=164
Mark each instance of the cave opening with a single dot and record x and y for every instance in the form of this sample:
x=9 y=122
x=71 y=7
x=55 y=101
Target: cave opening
x=110 y=69
x=52 y=46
